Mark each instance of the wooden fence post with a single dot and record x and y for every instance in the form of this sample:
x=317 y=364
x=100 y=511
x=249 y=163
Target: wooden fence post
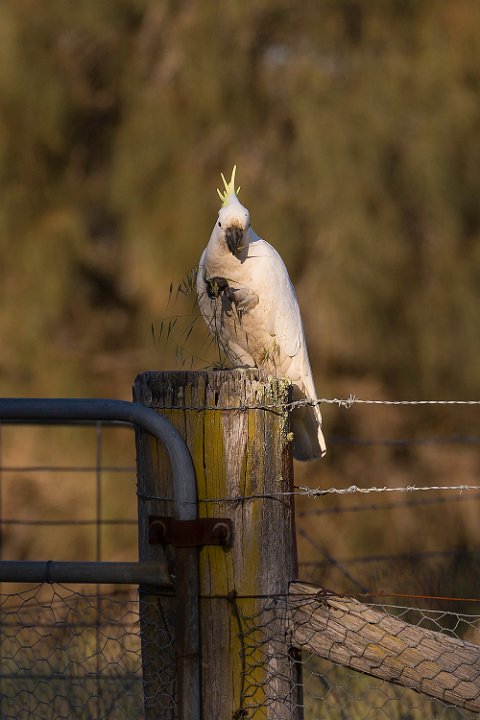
x=243 y=465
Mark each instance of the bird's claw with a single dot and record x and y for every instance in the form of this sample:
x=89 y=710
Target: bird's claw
x=215 y=286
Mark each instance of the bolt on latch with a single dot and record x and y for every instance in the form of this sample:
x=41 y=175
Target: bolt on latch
x=190 y=533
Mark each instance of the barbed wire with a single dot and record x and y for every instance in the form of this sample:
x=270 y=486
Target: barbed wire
x=354 y=489
x=345 y=403
x=320 y=492
x=112 y=645
x=353 y=400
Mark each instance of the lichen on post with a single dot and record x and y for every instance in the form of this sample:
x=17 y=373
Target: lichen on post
x=236 y=426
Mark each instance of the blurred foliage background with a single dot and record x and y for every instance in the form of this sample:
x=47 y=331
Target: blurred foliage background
x=355 y=127
x=356 y=131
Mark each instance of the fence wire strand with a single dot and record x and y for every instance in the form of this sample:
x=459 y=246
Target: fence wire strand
x=50 y=668
x=77 y=653
x=345 y=403
x=52 y=665
x=332 y=686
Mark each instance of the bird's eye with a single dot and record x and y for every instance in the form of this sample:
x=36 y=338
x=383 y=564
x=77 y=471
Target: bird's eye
x=219 y=224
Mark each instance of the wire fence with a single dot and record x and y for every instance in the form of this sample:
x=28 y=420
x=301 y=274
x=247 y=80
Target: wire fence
x=71 y=654
x=75 y=652
x=48 y=488
x=68 y=652
x=345 y=403
x=332 y=688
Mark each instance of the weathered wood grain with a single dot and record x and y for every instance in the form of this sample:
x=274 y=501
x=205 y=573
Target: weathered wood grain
x=366 y=639
x=242 y=461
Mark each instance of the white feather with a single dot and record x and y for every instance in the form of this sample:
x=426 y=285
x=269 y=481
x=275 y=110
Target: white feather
x=256 y=318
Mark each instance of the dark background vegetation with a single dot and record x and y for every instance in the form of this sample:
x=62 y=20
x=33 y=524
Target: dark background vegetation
x=355 y=127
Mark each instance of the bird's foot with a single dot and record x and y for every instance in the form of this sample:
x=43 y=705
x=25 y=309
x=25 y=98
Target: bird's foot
x=215 y=286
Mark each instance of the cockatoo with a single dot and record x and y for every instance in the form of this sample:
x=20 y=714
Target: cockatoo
x=249 y=304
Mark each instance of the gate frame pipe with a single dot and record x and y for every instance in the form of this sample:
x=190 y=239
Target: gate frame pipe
x=45 y=410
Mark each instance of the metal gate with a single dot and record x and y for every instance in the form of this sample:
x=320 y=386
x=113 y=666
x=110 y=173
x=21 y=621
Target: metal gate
x=77 y=654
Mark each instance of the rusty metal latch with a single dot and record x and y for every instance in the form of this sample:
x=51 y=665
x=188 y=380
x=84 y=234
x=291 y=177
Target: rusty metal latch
x=190 y=533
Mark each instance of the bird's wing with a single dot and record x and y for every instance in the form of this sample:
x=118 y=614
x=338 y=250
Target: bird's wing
x=283 y=320
x=282 y=316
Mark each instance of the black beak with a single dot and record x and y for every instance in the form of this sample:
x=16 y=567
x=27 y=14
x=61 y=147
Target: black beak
x=234 y=238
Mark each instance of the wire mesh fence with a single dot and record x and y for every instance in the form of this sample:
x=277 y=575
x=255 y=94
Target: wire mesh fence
x=76 y=483
x=74 y=654
x=337 y=693
x=332 y=688
x=68 y=652
x=76 y=651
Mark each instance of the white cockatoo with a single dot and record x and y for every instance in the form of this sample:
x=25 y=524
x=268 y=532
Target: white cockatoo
x=249 y=304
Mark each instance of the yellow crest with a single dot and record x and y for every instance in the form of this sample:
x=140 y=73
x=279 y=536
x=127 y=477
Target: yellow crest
x=229 y=188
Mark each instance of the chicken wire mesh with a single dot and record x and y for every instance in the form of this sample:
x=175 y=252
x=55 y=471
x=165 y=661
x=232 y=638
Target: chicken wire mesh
x=334 y=691
x=76 y=652
x=68 y=653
